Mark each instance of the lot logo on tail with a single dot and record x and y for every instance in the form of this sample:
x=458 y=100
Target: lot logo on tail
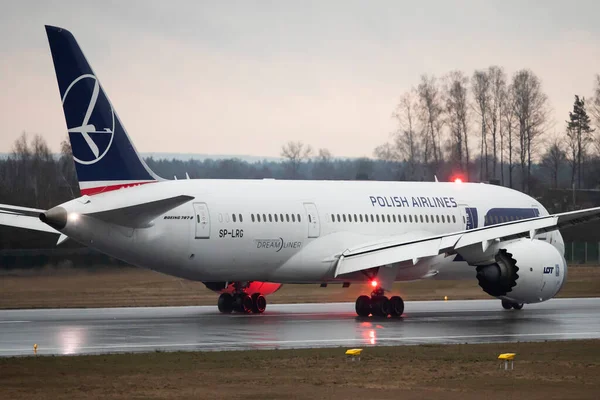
x=90 y=119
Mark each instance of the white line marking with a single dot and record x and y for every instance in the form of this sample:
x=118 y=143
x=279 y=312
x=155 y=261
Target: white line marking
x=13 y=322
x=283 y=342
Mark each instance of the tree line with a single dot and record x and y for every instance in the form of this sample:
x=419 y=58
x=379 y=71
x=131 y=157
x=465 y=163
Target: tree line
x=505 y=121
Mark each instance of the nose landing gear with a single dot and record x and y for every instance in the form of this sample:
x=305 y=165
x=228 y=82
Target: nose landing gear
x=379 y=305
x=507 y=305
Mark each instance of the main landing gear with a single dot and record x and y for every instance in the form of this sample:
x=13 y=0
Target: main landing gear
x=379 y=305
x=507 y=305
x=242 y=303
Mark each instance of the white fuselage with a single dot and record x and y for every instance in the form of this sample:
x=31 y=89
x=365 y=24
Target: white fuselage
x=291 y=231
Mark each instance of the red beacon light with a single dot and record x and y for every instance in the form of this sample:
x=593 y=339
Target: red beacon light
x=374 y=283
x=458 y=180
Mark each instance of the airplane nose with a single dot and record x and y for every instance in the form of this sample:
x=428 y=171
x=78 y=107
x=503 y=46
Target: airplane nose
x=55 y=217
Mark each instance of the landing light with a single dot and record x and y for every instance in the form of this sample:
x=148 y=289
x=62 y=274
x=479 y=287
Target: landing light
x=73 y=217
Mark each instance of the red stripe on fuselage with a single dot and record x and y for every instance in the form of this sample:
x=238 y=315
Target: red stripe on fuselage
x=104 y=189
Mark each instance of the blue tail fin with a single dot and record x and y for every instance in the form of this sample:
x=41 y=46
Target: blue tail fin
x=105 y=158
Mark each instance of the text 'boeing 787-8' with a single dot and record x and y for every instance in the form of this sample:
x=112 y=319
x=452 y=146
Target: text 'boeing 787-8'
x=244 y=238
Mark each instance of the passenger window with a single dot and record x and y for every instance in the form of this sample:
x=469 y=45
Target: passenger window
x=437 y=219
x=344 y=216
x=355 y=218
x=427 y=218
x=454 y=218
x=366 y=217
x=275 y=216
x=372 y=218
x=220 y=217
x=241 y=219
x=293 y=218
x=405 y=218
x=410 y=218
x=309 y=218
x=443 y=218
x=389 y=218
x=377 y=217
x=227 y=218
x=270 y=218
x=421 y=218
x=394 y=218
x=281 y=217
x=252 y=217
x=287 y=217
x=361 y=218
x=299 y=219
x=264 y=217
x=198 y=218
x=233 y=217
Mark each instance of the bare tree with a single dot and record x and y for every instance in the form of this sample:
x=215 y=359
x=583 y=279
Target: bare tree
x=67 y=167
x=508 y=127
x=455 y=94
x=553 y=160
x=323 y=166
x=595 y=108
x=480 y=85
x=295 y=153
x=497 y=98
x=531 y=109
x=430 y=113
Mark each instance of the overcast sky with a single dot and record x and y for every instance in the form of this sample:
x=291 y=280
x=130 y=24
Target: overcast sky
x=244 y=77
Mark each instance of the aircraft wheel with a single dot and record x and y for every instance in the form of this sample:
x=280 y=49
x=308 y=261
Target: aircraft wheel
x=225 y=303
x=259 y=303
x=246 y=303
x=380 y=306
x=396 y=306
x=363 y=306
x=507 y=305
x=517 y=306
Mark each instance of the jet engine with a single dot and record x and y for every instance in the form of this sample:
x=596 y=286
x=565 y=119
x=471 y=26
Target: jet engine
x=524 y=271
x=264 y=288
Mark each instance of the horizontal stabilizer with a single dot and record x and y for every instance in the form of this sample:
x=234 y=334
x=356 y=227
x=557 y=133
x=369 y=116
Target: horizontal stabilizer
x=25 y=222
x=33 y=212
x=140 y=215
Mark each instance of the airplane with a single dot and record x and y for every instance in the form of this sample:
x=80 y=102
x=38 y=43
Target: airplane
x=245 y=238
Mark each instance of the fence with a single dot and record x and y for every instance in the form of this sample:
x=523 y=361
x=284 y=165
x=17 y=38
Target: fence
x=582 y=252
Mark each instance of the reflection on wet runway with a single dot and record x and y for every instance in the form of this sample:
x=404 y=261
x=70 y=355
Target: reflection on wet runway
x=108 y=330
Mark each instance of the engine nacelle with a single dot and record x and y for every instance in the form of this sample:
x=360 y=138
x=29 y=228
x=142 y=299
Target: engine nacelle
x=250 y=288
x=525 y=271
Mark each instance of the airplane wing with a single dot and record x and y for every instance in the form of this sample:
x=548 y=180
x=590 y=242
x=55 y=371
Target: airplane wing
x=389 y=251
x=23 y=217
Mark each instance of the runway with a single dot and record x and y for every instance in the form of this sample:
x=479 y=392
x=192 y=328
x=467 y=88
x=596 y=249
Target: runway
x=112 y=330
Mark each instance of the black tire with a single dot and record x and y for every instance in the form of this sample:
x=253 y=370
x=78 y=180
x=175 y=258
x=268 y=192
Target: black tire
x=380 y=306
x=247 y=304
x=259 y=303
x=363 y=306
x=396 y=306
x=225 y=303
x=507 y=305
x=517 y=306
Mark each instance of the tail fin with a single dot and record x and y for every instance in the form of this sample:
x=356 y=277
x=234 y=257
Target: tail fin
x=105 y=158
